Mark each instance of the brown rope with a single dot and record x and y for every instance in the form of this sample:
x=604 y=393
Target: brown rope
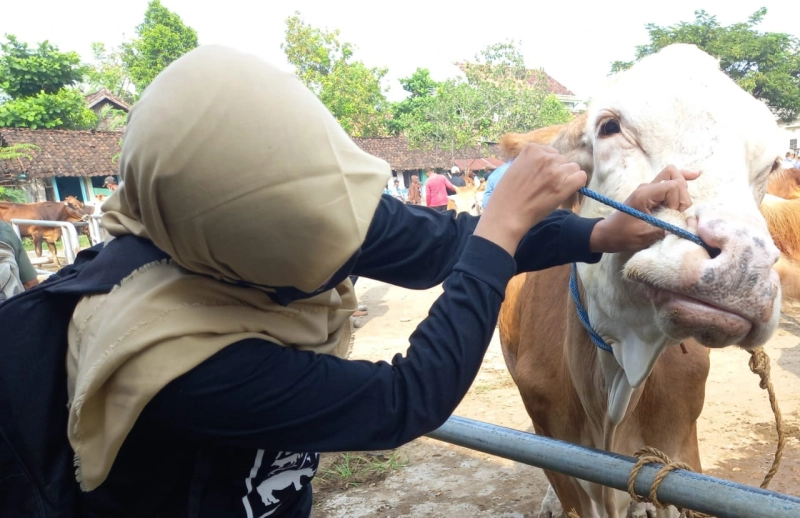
x=650 y=455
x=573 y=514
x=759 y=364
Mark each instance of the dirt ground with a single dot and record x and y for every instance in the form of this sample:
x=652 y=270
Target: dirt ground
x=736 y=429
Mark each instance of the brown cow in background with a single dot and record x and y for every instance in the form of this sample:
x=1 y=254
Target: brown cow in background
x=46 y=211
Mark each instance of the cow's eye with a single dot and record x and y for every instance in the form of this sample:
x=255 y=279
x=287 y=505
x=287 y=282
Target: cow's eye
x=609 y=127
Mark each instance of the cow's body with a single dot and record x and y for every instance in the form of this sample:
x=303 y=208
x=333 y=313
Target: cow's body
x=555 y=366
x=45 y=211
x=648 y=392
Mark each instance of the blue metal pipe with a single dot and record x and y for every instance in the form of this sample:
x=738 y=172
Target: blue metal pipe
x=718 y=497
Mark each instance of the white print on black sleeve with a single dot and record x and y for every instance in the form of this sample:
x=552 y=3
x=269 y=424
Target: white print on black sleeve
x=277 y=482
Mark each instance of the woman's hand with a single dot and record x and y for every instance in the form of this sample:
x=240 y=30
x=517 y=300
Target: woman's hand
x=623 y=233
x=538 y=181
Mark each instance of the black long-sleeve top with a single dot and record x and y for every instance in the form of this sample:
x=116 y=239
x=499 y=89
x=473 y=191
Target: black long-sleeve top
x=238 y=435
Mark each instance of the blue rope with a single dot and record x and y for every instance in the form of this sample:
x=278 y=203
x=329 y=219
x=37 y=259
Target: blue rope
x=583 y=316
x=685 y=234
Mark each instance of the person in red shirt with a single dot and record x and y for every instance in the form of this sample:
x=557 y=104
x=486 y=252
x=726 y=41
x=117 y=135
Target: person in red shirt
x=436 y=190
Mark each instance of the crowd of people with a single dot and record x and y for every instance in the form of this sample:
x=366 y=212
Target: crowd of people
x=437 y=187
x=792 y=160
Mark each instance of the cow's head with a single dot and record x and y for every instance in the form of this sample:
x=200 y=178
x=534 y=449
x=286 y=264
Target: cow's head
x=677 y=107
x=467 y=200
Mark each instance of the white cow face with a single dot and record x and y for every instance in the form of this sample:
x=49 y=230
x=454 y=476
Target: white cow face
x=467 y=200
x=677 y=107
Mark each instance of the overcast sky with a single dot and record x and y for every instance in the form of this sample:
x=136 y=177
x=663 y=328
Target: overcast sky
x=575 y=42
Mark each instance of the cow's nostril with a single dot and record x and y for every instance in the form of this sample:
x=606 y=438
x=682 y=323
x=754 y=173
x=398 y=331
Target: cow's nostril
x=713 y=251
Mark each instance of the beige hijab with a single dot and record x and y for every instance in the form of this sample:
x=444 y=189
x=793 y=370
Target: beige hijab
x=239 y=173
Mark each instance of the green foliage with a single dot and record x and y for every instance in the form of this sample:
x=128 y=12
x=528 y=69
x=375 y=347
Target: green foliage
x=421 y=88
x=349 y=89
x=113 y=118
x=13 y=195
x=109 y=72
x=17 y=151
x=38 y=86
x=766 y=64
x=498 y=95
x=65 y=109
x=26 y=72
x=162 y=38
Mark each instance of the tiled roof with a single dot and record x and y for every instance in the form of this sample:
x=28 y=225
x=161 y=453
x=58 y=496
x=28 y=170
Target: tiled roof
x=61 y=152
x=89 y=153
x=93 y=99
x=553 y=86
x=396 y=151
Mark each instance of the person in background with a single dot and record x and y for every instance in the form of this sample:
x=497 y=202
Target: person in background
x=436 y=190
x=494 y=178
x=110 y=183
x=414 y=194
x=27 y=273
x=472 y=179
x=394 y=190
x=456 y=177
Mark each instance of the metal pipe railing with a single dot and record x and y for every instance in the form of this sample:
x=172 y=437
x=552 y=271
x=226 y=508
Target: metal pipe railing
x=69 y=236
x=96 y=229
x=718 y=497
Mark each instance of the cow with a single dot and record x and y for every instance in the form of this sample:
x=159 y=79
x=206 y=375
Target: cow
x=660 y=309
x=78 y=206
x=46 y=211
x=466 y=200
x=785 y=183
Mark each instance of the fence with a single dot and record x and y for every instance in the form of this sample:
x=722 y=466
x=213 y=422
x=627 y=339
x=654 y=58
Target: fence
x=69 y=235
x=718 y=497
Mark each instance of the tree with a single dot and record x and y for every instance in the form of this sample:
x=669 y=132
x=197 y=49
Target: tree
x=765 y=64
x=161 y=39
x=25 y=72
x=38 y=87
x=421 y=88
x=499 y=94
x=348 y=88
x=109 y=72
x=65 y=109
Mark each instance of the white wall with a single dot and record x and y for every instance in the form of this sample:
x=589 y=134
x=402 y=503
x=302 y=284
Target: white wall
x=788 y=132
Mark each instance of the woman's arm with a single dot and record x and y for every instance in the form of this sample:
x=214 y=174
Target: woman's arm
x=259 y=395
x=415 y=247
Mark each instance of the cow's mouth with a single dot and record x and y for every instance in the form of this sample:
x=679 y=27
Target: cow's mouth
x=683 y=316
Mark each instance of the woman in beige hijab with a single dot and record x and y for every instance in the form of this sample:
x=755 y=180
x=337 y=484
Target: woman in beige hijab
x=207 y=380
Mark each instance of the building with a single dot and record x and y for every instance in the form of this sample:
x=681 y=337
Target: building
x=405 y=161
x=68 y=162
x=102 y=100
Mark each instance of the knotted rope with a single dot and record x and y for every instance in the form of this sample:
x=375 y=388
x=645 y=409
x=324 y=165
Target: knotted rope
x=650 y=455
x=760 y=364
